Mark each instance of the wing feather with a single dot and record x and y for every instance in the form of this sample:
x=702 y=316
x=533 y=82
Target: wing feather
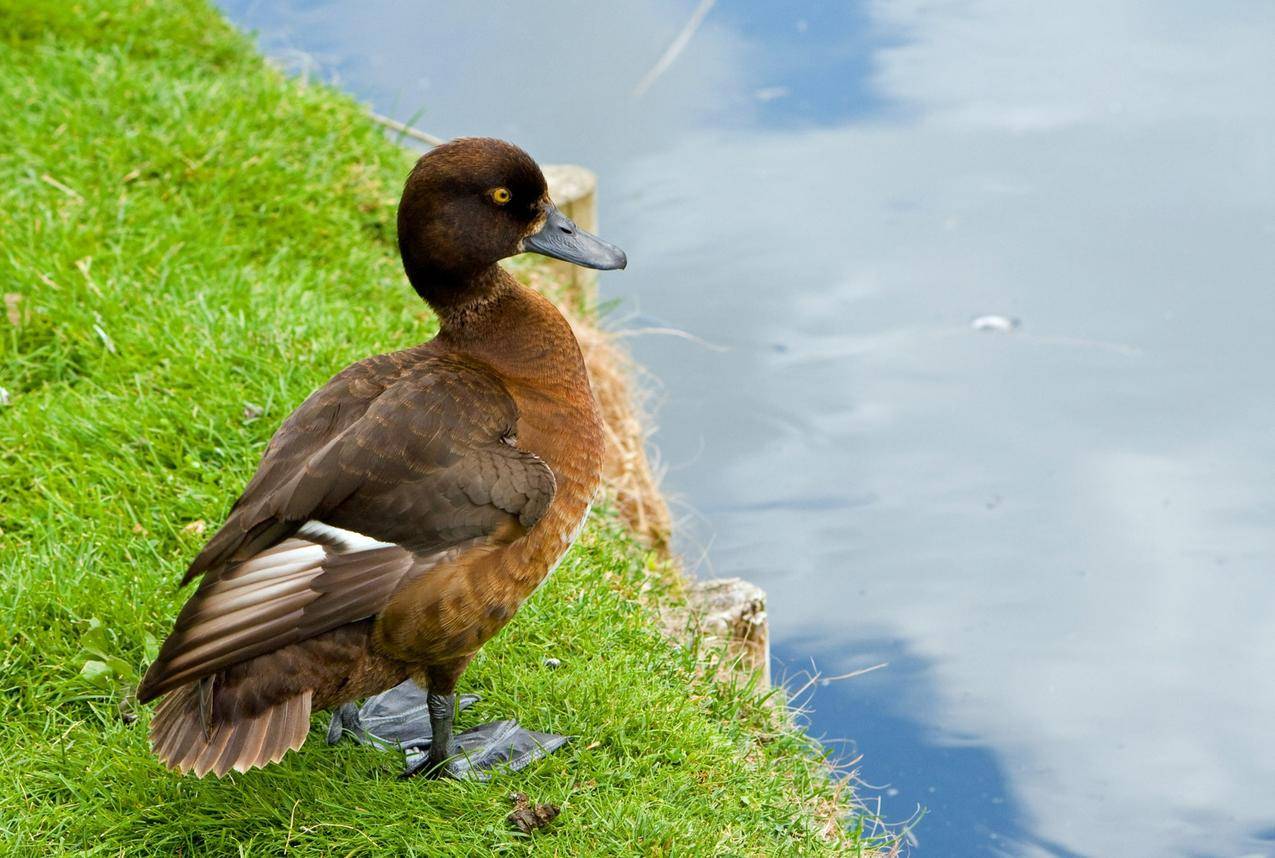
x=332 y=525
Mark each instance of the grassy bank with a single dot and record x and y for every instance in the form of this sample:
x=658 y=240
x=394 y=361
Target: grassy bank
x=189 y=244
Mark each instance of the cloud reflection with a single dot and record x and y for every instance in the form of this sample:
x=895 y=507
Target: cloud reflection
x=1076 y=541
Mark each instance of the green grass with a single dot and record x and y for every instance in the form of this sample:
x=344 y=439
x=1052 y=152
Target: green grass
x=189 y=244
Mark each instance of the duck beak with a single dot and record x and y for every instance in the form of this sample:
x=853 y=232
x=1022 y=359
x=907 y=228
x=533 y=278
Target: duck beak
x=562 y=239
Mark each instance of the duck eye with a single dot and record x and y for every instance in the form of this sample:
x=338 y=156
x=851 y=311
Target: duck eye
x=500 y=196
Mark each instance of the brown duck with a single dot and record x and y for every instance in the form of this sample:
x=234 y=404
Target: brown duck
x=403 y=512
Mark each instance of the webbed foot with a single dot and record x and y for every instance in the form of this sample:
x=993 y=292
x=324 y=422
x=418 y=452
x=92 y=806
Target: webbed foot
x=409 y=718
x=479 y=750
x=398 y=718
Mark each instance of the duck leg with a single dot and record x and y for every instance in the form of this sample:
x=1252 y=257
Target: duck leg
x=442 y=717
x=476 y=751
x=473 y=754
x=398 y=718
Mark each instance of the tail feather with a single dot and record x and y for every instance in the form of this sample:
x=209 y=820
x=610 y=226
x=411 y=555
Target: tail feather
x=180 y=741
x=254 y=740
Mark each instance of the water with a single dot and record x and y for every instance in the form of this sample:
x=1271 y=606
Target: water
x=1060 y=538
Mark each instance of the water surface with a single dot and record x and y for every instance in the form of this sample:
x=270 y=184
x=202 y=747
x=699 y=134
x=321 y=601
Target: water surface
x=1060 y=539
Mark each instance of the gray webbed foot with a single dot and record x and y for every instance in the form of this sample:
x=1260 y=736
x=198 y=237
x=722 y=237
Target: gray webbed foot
x=398 y=718
x=479 y=750
x=345 y=720
x=409 y=718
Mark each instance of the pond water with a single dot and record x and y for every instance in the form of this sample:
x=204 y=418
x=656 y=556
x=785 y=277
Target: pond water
x=1058 y=537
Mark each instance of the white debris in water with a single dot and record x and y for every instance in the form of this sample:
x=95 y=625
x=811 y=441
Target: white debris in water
x=996 y=324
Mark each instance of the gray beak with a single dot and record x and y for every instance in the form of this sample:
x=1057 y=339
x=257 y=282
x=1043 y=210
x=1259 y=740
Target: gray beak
x=562 y=239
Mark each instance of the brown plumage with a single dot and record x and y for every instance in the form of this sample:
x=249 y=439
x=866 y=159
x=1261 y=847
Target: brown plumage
x=405 y=510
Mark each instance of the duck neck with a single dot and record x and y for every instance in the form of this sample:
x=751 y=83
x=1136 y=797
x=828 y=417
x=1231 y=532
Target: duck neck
x=520 y=334
x=456 y=297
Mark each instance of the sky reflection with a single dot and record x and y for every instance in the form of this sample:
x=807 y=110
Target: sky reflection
x=1060 y=538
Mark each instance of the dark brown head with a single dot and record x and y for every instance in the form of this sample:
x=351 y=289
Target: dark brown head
x=474 y=201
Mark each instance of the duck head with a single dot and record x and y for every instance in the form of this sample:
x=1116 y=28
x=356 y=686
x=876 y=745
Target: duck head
x=470 y=203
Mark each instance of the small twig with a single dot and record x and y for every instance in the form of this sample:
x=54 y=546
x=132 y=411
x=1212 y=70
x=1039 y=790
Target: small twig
x=54 y=183
x=675 y=48
x=407 y=130
x=672 y=332
x=852 y=674
x=292 y=819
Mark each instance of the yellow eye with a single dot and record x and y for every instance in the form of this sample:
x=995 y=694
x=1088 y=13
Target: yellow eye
x=500 y=196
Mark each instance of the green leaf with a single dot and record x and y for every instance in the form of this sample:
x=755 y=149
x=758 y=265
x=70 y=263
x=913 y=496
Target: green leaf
x=119 y=667
x=150 y=647
x=94 y=638
x=97 y=672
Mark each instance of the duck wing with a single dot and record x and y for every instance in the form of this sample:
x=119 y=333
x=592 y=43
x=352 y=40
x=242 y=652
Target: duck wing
x=324 y=415
x=325 y=535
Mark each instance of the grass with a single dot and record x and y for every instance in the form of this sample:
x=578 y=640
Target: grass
x=189 y=244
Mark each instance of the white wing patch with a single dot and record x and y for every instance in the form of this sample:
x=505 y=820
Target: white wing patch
x=299 y=553
x=265 y=598
x=347 y=540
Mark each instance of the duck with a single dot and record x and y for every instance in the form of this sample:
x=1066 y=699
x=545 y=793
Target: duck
x=403 y=512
